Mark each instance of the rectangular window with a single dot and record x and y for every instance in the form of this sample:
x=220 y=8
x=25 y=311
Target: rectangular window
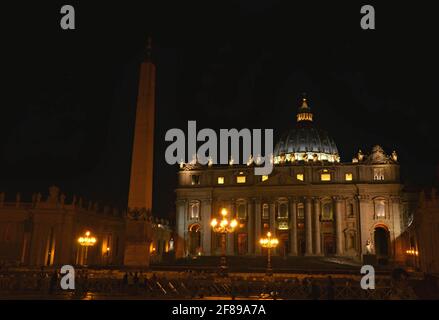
x=348 y=176
x=325 y=177
x=300 y=211
x=242 y=244
x=380 y=209
x=194 y=210
x=282 y=211
x=264 y=178
x=195 y=179
x=299 y=176
x=265 y=211
x=242 y=212
x=240 y=179
x=327 y=212
x=220 y=180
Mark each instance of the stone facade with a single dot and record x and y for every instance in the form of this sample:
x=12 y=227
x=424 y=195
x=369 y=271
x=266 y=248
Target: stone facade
x=45 y=232
x=313 y=203
x=423 y=234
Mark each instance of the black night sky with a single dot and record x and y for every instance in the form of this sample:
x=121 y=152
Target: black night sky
x=69 y=97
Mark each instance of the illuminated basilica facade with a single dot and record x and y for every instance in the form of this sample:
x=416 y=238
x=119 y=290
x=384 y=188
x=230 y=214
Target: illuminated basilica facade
x=313 y=203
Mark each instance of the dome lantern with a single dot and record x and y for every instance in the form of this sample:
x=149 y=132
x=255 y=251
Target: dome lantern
x=305 y=142
x=304 y=113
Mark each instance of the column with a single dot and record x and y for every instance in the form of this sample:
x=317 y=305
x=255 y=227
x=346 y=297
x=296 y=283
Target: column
x=257 y=226
x=317 y=236
x=273 y=223
x=338 y=225
x=365 y=220
x=308 y=226
x=180 y=249
x=250 y=227
x=206 y=211
x=273 y=218
x=395 y=238
x=231 y=236
x=293 y=226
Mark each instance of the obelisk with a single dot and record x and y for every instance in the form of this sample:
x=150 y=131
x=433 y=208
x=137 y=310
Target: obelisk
x=138 y=226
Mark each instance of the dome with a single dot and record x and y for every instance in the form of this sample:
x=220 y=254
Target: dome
x=305 y=141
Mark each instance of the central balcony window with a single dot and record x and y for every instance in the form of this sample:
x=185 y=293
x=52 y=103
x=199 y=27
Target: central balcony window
x=241 y=179
x=325 y=175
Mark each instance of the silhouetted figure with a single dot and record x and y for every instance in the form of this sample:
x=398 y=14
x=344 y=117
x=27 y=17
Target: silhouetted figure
x=136 y=282
x=125 y=281
x=53 y=282
x=41 y=277
x=330 y=289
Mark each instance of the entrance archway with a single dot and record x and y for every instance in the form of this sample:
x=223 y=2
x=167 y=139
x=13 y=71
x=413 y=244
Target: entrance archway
x=194 y=239
x=284 y=244
x=382 y=244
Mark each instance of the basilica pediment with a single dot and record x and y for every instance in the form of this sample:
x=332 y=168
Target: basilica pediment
x=378 y=156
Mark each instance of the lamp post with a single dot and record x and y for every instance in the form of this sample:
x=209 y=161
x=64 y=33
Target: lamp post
x=269 y=242
x=223 y=227
x=86 y=241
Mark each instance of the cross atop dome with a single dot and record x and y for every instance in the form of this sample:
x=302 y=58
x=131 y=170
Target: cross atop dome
x=304 y=104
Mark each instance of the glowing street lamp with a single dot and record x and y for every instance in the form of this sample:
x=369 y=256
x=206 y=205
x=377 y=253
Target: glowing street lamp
x=269 y=243
x=87 y=241
x=223 y=227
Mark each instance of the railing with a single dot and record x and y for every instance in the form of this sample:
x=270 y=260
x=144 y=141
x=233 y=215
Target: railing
x=189 y=287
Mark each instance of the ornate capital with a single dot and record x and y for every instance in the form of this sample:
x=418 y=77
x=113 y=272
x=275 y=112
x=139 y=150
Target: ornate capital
x=181 y=202
x=206 y=200
x=338 y=198
x=316 y=200
x=363 y=197
x=308 y=199
x=293 y=199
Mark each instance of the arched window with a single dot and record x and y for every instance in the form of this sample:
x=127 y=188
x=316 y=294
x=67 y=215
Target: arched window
x=242 y=212
x=194 y=210
x=194 y=239
x=194 y=228
x=265 y=211
x=327 y=211
x=282 y=211
x=380 y=209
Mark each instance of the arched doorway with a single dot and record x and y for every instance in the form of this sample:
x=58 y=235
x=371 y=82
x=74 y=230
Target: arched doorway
x=284 y=244
x=382 y=242
x=194 y=239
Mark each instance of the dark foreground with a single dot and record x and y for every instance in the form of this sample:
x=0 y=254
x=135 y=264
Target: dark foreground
x=119 y=285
